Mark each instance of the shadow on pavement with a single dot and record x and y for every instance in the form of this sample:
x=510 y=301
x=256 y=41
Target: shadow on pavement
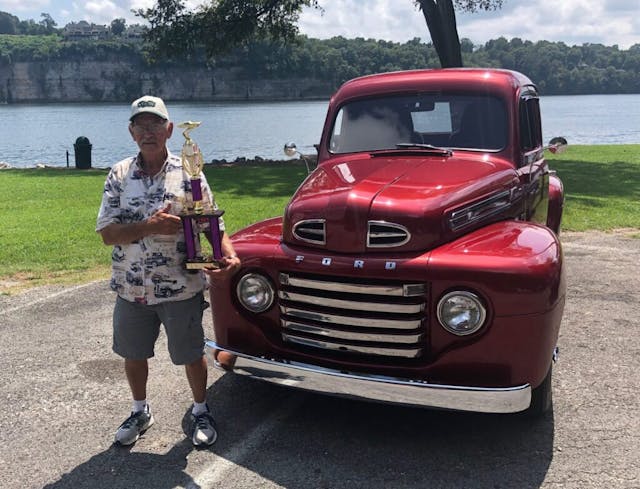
x=118 y=467
x=337 y=443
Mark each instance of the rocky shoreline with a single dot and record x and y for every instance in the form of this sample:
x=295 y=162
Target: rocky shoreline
x=240 y=161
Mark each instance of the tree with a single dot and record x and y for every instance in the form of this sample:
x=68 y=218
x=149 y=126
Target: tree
x=118 y=26
x=8 y=23
x=220 y=25
x=441 y=20
x=47 y=23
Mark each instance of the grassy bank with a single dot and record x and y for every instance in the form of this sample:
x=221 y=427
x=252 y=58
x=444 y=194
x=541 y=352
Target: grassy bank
x=48 y=215
x=602 y=186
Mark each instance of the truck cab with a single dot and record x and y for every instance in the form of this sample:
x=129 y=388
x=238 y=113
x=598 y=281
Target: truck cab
x=419 y=263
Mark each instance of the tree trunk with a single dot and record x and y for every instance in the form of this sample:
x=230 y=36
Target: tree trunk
x=441 y=21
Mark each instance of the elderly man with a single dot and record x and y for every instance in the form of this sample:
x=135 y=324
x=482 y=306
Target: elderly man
x=152 y=285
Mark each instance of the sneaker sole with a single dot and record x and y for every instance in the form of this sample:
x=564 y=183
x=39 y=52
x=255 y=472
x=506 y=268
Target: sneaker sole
x=144 y=429
x=205 y=443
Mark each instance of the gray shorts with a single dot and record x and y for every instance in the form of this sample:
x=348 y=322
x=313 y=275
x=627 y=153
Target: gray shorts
x=136 y=328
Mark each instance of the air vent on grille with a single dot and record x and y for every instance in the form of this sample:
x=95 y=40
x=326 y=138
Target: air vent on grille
x=311 y=231
x=383 y=234
x=353 y=316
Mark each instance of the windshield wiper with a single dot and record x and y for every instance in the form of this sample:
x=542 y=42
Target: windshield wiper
x=428 y=147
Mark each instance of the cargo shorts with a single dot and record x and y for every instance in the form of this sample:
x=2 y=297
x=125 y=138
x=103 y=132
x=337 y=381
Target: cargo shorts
x=136 y=328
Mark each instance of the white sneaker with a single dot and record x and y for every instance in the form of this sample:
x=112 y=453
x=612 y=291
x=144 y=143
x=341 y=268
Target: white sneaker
x=132 y=427
x=204 y=429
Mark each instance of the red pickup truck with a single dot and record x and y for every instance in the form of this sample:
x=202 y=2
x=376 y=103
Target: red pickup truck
x=419 y=263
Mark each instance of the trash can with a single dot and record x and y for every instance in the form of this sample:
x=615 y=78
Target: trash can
x=82 y=149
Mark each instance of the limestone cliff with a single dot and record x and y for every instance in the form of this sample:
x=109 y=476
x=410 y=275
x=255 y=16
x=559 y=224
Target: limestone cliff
x=116 y=81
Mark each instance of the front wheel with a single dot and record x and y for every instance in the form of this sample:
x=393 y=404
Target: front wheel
x=541 y=397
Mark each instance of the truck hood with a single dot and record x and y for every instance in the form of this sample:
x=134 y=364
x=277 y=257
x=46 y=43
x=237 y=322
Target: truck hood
x=396 y=202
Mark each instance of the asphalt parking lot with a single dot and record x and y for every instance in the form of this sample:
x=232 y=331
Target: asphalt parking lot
x=64 y=393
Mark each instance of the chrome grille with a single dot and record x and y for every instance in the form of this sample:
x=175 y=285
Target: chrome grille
x=383 y=234
x=311 y=231
x=364 y=317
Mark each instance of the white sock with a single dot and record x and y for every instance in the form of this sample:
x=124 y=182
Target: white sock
x=199 y=408
x=139 y=405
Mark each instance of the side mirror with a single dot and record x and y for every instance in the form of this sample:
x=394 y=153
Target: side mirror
x=291 y=150
x=557 y=145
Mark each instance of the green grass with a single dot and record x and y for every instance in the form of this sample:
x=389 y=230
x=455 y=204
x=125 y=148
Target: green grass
x=602 y=186
x=48 y=215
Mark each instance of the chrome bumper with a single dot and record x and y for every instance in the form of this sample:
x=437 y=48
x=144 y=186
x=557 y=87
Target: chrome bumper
x=376 y=387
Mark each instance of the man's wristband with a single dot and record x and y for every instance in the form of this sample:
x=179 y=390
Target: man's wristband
x=231 y=257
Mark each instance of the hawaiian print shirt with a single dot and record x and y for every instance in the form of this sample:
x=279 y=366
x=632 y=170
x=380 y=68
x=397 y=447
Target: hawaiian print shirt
x=150 y=270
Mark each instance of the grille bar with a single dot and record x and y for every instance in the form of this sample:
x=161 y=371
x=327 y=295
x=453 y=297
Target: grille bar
x=405 y=339
x=371 y=350
x=396 y=290
x=367 y=322
x=354 y=305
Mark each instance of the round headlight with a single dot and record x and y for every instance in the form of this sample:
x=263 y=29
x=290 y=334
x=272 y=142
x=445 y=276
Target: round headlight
x=255 y=292
x=461 y=312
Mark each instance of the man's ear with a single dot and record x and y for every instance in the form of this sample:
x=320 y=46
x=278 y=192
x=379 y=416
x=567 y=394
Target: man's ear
x=169 y=129
x=131 y=131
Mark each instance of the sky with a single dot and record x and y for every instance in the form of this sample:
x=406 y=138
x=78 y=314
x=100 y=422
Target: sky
x=574 y=22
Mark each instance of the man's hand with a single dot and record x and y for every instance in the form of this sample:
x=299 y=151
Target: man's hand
x=229 y=266
x=161 y=222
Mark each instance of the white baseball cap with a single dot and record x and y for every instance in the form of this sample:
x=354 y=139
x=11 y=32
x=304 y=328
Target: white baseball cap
x=150 y=105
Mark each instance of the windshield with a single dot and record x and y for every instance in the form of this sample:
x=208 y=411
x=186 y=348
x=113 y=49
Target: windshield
x=444 y=120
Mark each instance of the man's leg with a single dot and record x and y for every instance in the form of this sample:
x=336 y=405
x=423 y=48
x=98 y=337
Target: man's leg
x=197 y=375
x=186 y=341
x=204 y=428
x=137 y=374
x=135 y=330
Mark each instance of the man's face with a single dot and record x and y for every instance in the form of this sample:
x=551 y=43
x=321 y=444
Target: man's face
x=150 y=133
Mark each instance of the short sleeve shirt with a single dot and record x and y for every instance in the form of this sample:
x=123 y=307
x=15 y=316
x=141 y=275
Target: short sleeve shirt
x=150 y=270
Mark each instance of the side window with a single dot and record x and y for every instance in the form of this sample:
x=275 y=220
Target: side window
x=334 y=142
x=530 y=124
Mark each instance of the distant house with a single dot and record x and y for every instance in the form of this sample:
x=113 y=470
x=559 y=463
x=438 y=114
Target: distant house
x=83 y=31
x=134 y=33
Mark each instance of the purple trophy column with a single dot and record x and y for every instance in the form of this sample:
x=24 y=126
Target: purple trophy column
x=196 y=190
x=214 y=230
x=187 y=227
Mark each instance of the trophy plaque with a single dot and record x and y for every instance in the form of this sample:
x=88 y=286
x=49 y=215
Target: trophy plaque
x=198 y=216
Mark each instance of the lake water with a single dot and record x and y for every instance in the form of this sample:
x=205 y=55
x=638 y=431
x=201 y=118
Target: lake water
x=43 y=133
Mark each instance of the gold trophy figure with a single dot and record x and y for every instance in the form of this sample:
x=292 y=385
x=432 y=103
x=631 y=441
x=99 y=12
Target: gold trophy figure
x=192 y=163
x=201 y=211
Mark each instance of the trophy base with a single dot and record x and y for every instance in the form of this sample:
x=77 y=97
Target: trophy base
x=202 y=265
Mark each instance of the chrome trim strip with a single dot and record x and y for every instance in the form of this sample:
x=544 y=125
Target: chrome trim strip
x=480 y=210
x=337 y=334
x=343 y=347
x=397 y=290
x=404 y=232
x=320 y=232
x=375 y=387
x=352 y=305
x=350 y=320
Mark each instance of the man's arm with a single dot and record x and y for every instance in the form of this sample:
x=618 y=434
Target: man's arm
x=159 y=223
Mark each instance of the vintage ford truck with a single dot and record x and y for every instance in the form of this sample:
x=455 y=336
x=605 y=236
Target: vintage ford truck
x=419 y=262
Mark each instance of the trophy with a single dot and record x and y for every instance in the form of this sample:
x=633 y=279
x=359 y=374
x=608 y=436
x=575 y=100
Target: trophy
x=200 y=211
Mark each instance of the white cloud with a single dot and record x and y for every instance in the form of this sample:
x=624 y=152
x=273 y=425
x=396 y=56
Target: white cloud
x=17 y=6
x=379 y=19
x=572 y=21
